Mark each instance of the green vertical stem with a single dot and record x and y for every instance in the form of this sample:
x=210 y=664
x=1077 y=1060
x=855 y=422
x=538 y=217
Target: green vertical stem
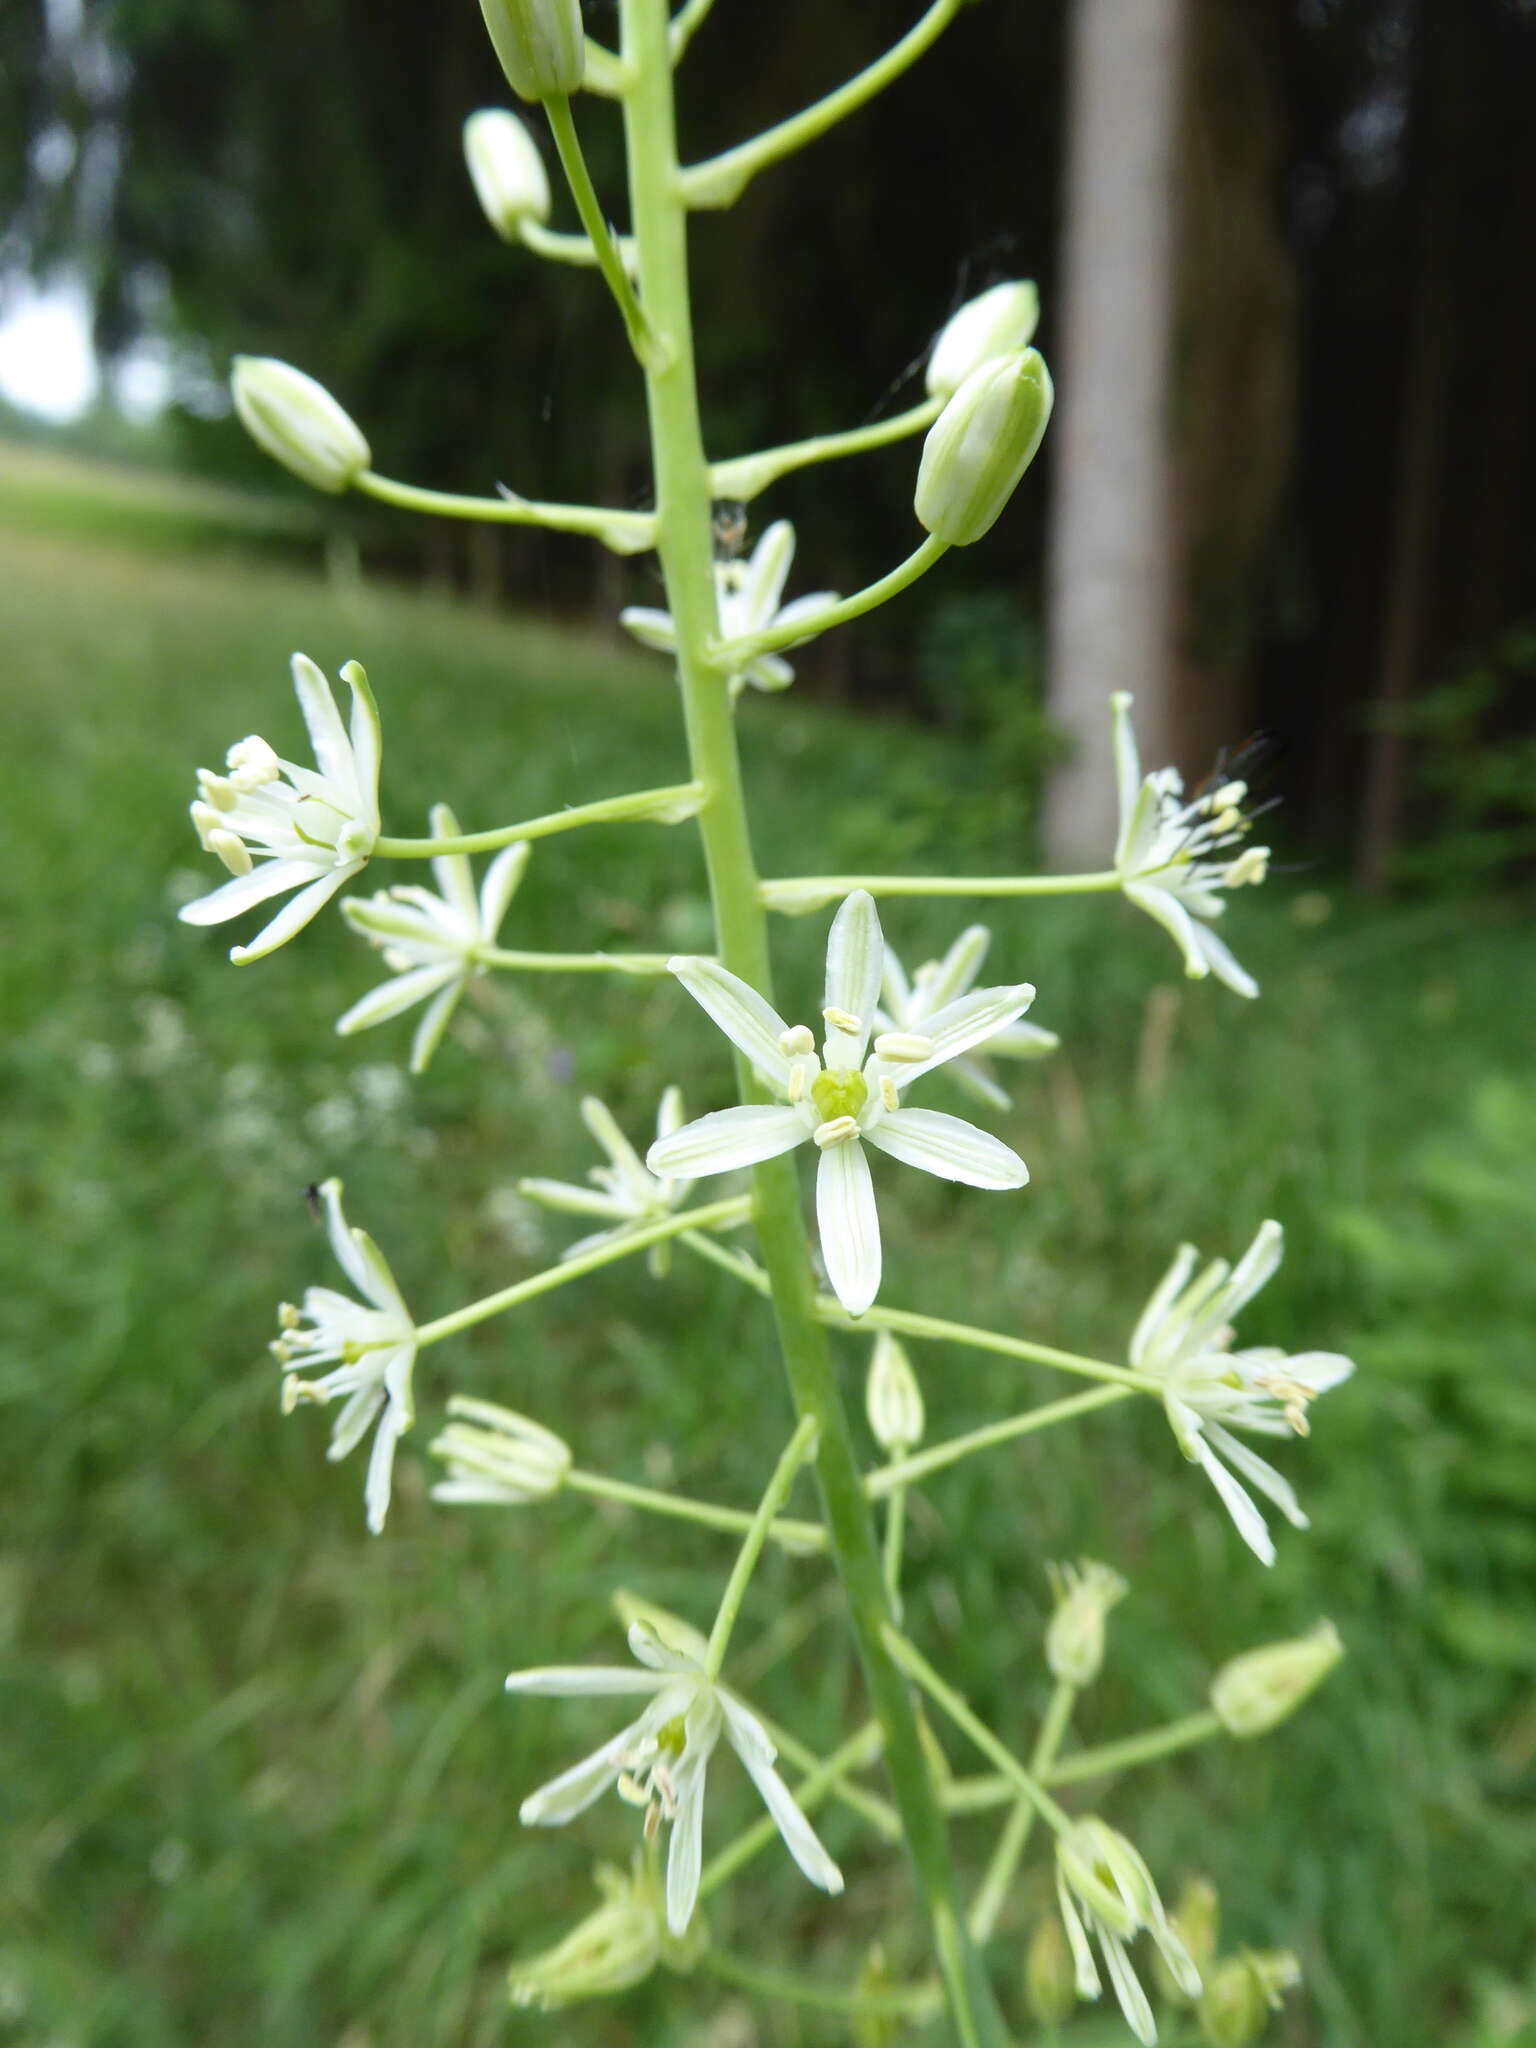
x=685 y=546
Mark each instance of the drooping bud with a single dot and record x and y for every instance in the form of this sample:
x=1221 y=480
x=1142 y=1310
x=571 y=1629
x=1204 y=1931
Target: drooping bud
x=541 y=44
x=298 y=422
x=893 y=1399
x=506 y=169
x=1257 y=1691
x=1196 y=1920
x=616 y=1946
x=994 y=324
x=1242 y=1992
x=1050 y=1982
x=497 y=1457
x=980 y=445
x=1074 y=1637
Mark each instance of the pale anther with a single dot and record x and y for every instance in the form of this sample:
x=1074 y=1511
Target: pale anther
x=231 y=849
x=903 y=1045
x=798 y=1039
x=843 y=1020
x=796 y=1086
x=837 y=1131
x=888 y=1095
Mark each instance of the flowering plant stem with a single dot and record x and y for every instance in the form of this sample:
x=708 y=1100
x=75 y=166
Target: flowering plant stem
x=790 y=1987
x=730 y=656
x=573 y=963
x=643 y=339
x=798 y=893
x=653 y=806
x=975 y=1795
x=774 y=1497
x=717 y=1214
x=743 y=476
x=627 y=533
x=1019 y=1826
x=892 y=1480
x=796 y=1536
x=683 y=536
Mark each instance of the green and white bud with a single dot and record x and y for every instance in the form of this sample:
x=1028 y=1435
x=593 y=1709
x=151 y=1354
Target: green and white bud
x=893 y=1399
x=541 y=44
x=497 y=1457
x=615 y=1947
x=1257 y=1691
x=1074 y=1637
x=506 y=170
x=1196 y=1920
x=298 y=423
x=993 y=324
x=1242 y=1992
x=1050 y=1981
x=980 y=446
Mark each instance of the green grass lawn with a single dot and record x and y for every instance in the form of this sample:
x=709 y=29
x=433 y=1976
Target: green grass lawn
x=261 y=1784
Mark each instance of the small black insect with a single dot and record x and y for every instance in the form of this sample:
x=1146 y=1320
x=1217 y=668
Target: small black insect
x=728 y=524
x=312 y=1200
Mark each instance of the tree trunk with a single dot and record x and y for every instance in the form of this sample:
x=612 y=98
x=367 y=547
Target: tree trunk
x=1110 y=550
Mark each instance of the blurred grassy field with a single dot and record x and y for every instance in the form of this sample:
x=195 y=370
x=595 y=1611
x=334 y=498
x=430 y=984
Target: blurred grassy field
x=261 y=1785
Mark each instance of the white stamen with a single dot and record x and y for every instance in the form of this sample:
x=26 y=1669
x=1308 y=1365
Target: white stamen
x=836 y=1131
x=888 y=1095
x=903 y=1045
x=230 y=848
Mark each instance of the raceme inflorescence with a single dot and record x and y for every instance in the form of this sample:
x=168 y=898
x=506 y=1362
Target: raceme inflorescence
x=715 y=1184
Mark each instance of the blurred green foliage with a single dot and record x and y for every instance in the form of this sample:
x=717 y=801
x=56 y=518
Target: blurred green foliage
x=261 y=1783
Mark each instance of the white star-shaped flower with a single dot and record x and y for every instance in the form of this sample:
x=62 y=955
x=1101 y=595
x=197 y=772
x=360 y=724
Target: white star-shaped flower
x=658 y=1762
x=277 y=826
x=1174 y=858
x=908 y=1003
x=1184 y=1340
x=842 y=1101
x=435 y=943
x=1104 y=1888
x=624 y=1192
x=371 y=1348
x=747 y=594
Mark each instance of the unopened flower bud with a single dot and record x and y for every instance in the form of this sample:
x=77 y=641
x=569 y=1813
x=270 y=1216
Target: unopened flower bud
x=1196 y=1920
x=1050 y=1982
x=506 y=169
x=980 y=445
x=1074 y=1637
x=875 y=2027
x=1257 y=1691
x=541 y=44
x=993 y=324
x=1242 y=1992
x=298 y=422
x=497 y=1457
x=615 y=1947
x=893 y=1399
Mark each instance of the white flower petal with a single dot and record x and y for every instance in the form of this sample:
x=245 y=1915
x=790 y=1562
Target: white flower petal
x=849 y=1225
x=966 y=1023
x=1319 y=1371
x=243 y=892
x=855 y=965
x=452 y=872
x=1127 y=1988
x=1258 y=1472
x=804 y=611
x=393 y=996
x=1164 y=1295
x=381 y=1467
x=974 y=1081
x=1238 y=1503
x=750 y=1023
x=499 y=886
x=1258 y=1265
x=958 y=970
x=1084 y=1967
x=327 y=734
x=574 y=1199
x=352 y=1422
x=1127 y=763
x=428 y=1035
x=746 y=1736
x=727 y=1139
x=1173 y=917
x=367 y=741
x=651 y=628
x=582 y=1681
x=685 y=1858
x=1219 y=959
x=767 y=571
x=949 y=1147
x=294 y=915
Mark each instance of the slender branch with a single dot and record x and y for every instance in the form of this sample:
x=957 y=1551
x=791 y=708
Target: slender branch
x=721 y=180
x=785 y=1473
x=890 y=1479
x=740 y=1265
x=606 y=74
x=917 y=1667
x=907 y=1323
x=919 y=2003
x=686 y=23
x=577 y=250
x=734 y=1211
x=625 y=533
x=1139 y=1749
x=731 y=656
x=796 y=894
x=744 y=476
x=798 y=1538
x=823 y=1782
x=668 y=806
x=1019 y=1826
x=895 y=1529
x=574 y=963
x=649 y=350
